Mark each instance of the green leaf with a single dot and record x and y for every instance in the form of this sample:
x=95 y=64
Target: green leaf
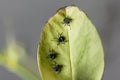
x=70 y=47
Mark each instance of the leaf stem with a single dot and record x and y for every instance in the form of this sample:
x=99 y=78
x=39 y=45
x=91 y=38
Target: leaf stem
x=19 y=69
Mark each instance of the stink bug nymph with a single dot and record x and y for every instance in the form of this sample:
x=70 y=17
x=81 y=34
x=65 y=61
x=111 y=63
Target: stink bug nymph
x=67 y=21
x=57 y=67
x=52 y=54
x=60 y=39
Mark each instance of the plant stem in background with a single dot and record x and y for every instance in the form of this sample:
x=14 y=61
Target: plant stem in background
x=13 y=55
x=14 y=65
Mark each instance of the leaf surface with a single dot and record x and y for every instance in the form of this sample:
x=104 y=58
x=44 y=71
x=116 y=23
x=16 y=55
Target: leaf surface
x=70 y=47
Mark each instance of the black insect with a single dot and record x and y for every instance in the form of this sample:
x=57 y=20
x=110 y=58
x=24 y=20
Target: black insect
x=57 y=67
x=67 y=21
x=52 y=54
x=61 y=39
